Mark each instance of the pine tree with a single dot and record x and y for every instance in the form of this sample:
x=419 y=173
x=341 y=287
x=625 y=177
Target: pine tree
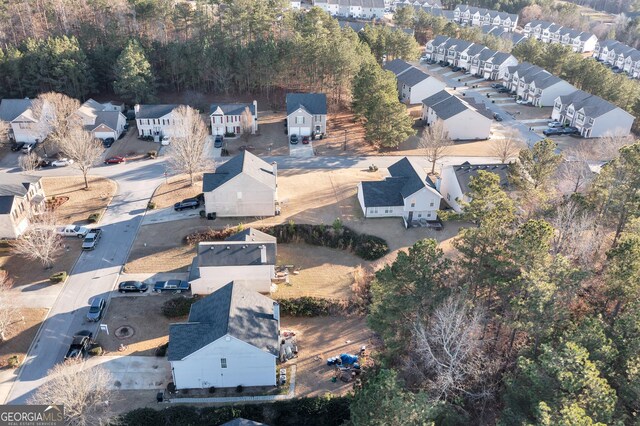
x=134 y=76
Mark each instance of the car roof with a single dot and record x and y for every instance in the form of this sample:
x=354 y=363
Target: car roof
x=97 y=301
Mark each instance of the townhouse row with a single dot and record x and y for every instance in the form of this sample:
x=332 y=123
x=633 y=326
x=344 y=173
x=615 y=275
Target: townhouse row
x=549 y=32
x=618 y=55
x=479 y=17
x=363 y=9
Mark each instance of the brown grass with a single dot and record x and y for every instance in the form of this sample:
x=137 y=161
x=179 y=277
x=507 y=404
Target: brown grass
x=81 y=202
x=175 y=189
x=21 y=334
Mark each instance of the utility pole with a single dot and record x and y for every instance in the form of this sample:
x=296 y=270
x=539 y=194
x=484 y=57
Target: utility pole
x=344 y=145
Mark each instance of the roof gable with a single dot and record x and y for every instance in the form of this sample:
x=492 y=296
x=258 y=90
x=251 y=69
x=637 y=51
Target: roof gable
x=243 y=163
x=154 y=111
x=314 y=103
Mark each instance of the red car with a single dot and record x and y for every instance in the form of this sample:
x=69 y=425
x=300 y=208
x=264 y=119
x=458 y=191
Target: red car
x=305 y=140
x=115 y=160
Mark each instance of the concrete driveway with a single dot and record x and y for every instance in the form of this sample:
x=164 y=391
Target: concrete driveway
x=301 y=150
x=168 y=214
x=134 y=372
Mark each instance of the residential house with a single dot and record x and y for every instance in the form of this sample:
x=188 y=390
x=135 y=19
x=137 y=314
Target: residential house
x=477 y=17
x=495 y=66
x=549 y=32
x=155 y=120
x=363 y=9
x=230 y=339
x=114 y=106
x=295 y=4
x=536 y=85
x=243 y=186
x=227 y=118
x=455 y=181
x=101 y=120
x=462 y=120
x=306 y=114
x=24 y=125
x=407 y=193
x=592 y=115
x=20 y=197
x=619 y=55
x=248 y=258
x=413 y=84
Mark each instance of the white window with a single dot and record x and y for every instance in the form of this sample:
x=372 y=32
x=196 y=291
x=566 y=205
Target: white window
x=431 y=204
x=413 y=203
x=373 y=210
x=223 y=363
x=299 y=119
x=318 y=118
x=388 y=210
x=239 y=195
x=448 y=197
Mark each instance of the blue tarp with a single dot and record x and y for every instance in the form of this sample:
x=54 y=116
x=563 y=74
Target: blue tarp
x=348 y=359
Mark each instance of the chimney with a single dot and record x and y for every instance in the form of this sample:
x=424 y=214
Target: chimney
x=276 y=312
x=263 y=254
x=255 y=117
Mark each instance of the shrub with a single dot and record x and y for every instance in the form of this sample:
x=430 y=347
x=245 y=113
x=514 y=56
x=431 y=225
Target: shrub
x=239 y=388
x=94 y=217
x=151 y=205
x=162 y=349
x=212 y=389
x=96 y=351
x=229 y=134
x=308 y=307
x=13 y=361
x=58 y=277
x=210 y=235
x=370 y=247
x=171 y=387
x=177 y=307
x=143 y=417
x=152 y=154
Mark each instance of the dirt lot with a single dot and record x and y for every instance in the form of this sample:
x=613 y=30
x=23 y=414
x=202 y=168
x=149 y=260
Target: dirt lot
x=318 y=339
x=21 y=334
x=143 y=315
x=175 y=189
x=130 y=146
x=81 y=202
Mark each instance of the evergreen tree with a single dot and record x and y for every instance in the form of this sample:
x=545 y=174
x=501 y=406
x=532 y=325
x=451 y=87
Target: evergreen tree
x=134 y=77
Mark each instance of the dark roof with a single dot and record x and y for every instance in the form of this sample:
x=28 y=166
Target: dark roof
x=404 y=168
x=14 y=185
x=384 y=193
x=412 y=76
x=397 y=66
x=500 y=57
x=313 y=103
x=465 y=171
x=449 y=107
x=154 y=111
x=439 y=39
x=232 y=309
x=10 y=109
x=437 y=97
x=245 y=162
x=233 y=109
x=108 y=118
x=236 y=253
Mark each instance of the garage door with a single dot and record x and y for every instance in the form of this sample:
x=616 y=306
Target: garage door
x=104 y=135
x=294 y=130
x=305 y=131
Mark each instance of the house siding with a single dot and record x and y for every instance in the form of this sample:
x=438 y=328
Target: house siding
x=310 y=123
x=468 y=125
x=256 y=198
x=424 y=89
x=162 y=126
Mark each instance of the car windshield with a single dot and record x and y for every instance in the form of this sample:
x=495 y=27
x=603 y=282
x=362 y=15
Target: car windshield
x=89 y=239
x=94 y=309
x=76 y=228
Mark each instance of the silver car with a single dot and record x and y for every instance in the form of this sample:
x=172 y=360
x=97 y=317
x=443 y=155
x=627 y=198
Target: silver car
x=96 y=309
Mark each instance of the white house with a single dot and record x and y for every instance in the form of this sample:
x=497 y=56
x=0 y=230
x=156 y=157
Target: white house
x=20 y=196
x=413 y=84
x=462 y=120
x=155 y=120
x=24 y=125
x=227 y=118
x=114 y=106
x=536 y=85
x=306 y=114
x=476 y=16
x=407 y=193
x=243 y=186
x=248 y=258
x=102 y=120
x=454 y=186
x=591 y=115
x=549 y=32
x=231 y=338
x=364 y=9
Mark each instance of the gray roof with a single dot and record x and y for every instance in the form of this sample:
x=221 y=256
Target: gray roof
x=108 y=118
x=154 y=111
x=10 y=109
x=593 y=106
x=412 y=76
x=439 y=39
x=547 y=81
x=251 y=234
x=14 y=185
x=437 y=97
x=449 y=107
x=397 y=66
x=475 y=49
x=406 y=169
x=234 y=310
x=384 y=193
x=246 y=163
x=233 y=109
x=313 y=103
x=516 y=37
x=465 y=171
x=236 y=253
x=482 y=11
x=500 y=57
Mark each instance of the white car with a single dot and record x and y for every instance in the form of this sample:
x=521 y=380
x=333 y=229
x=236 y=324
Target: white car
x=554 y=124
x=521 y=102
x=424 y=58
x=166 y=140
x=63 y=162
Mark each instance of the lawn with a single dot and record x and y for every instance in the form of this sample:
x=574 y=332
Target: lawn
x=81 y=203
x=21 y=334
x=176 y=188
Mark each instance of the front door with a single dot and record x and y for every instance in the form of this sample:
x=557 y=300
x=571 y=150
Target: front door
x=409 y=219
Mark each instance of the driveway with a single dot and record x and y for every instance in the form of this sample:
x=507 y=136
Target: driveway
x=168 y=214
x=301 y=150
x=134 y=372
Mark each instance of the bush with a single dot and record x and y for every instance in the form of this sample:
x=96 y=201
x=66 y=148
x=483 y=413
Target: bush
x=370 y=247
x=177 y=307
x=151 y=205
x=13 y=361
x=171 y=387
x=58 y=277
x=143 y=417
x=94 y=217
x=211 y=235
x=162 y=349
x=239 y=388
x=229 y=134
x=152 y=154
x=96 y=351
x=308 y=307
x=212 y=389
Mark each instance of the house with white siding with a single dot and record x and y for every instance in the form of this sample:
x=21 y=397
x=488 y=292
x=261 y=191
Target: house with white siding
x=231 y=338
x=462 y=120
x=248 y=258
x=307 y=114
x=155 y=120
x=413 y=84
x=618 y=55
x=21 y=196
x=24 y=125
x=244 y=186
x=477 y=17
x=454 y=186
x=550 y=32
x=407 y=193
x=101 y=120
x=591 y=115
x=536 y=85
x=363 y=9
x=227 y=118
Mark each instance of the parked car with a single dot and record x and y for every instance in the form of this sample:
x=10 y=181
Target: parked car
x=305 y=140
x=174 y=286
x=27 y=148
x=496 y=85
x=218 y=141
x=115 y=160
x=166 y=140
x=317 y=134
x=108 y=142
x=522 y=102
x=79 y=345
x=294 y=139
x=91 y=239
x=424 y=58
x=17 y=146
x=456 y=69
x=73 y=231
x=504 y=90
x=96 y=309
x=560 y=131
x=132 y=287
x=551 y=131
x=42 y=162
x=497 y=117
x=63 y=162
x=187 y=203
x=554 y=123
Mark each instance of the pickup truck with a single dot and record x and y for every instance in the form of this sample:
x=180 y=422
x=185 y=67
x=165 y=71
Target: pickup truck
x=73 y=231
x=91 y=239
x=175 y=286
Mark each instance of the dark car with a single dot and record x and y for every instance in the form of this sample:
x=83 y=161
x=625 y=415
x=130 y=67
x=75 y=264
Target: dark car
x=294 y=139
x=456 y=69
x=218 y=142
x=96 y=309
x=497 y=117
x=503 y=90
x=115 y=160
x=305 y=140
x=17 y=146
x=132 y=287
x=496 y=86
x=187 y=203
x=174 y=286
x=79 y=345
x=551 y=131
x=108 y=142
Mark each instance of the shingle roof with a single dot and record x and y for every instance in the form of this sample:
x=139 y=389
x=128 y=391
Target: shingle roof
x=384 y=193
x=397 y=66
x=236 y=253
x=234 y=310
x=449 y=107
x=14 y=185
x=10 y=109
x=233 y=109
x=465 y=171
x=313 y=103
x=412 y=76
x=154 y=111
x=416 y=178
x=439 y=39
x=593 y=106
x=245 y=162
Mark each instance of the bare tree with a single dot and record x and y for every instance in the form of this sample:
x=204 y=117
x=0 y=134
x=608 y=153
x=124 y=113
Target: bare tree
x=83 y=148
x=4 y=131
x=450 y=348
x=574 y=173
x=435 y=142
x=9 y=312
x=86 y=393
x=246 y=124
x=29 y=162
x=187 y=153
x=40 y=242
x=507 y=148
x=609 y=145
x=54 y=113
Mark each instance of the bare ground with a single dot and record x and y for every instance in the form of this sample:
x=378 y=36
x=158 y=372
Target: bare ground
x=176 y=188
x=21 y=334
x=81 y=202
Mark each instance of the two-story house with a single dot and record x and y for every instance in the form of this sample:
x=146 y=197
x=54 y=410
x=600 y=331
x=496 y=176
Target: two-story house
x=23 y=123
x=462 y=120
x=102 y=120
x=306 y=114
x=456 y=179
x=413 y=84
x=363 y=9
x=21 y=196
x=227 y=118
x=476 y=16
x=550 y=32
x=155 y=120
